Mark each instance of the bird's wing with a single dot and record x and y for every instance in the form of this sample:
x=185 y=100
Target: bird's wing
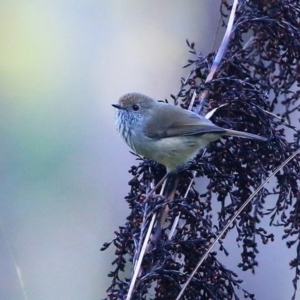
x=192 y=130
x=175 y=121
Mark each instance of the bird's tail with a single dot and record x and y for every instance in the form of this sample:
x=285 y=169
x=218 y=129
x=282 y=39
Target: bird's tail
x=246 y=135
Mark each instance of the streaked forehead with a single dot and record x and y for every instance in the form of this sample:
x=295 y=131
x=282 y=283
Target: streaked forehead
x=128 y=98
x=131 y=98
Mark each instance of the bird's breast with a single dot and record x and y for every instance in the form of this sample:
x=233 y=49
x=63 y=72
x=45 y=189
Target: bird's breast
x=171 y=152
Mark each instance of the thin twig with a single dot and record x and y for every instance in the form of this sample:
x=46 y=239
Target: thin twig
x=220 y=53
x=139 y=262
x=232 y=220
x=137 y=265
x=18 y=269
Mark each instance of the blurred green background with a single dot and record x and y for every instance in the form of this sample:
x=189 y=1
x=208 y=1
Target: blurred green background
x=63 y=166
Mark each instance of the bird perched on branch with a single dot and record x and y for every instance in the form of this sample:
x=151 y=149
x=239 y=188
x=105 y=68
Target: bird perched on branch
x=167 y=133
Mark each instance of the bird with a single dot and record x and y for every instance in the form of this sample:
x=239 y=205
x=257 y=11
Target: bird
x=165 y=133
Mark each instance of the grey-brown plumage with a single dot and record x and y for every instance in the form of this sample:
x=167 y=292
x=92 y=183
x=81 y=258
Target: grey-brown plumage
x=166 y=133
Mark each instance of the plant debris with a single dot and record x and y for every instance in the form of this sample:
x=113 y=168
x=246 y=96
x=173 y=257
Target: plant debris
x=258 y=80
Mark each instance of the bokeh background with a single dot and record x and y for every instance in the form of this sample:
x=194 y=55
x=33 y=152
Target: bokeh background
x=63 y=166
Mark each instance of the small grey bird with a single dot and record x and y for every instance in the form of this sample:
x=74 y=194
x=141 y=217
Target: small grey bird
x=166 y=133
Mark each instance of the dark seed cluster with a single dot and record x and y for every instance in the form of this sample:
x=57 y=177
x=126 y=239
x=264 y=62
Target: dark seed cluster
x=256 y=89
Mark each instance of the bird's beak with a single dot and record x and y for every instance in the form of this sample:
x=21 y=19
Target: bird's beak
x=118 y=106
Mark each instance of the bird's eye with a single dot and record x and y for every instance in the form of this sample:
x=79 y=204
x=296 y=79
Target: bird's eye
x=135 y=107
